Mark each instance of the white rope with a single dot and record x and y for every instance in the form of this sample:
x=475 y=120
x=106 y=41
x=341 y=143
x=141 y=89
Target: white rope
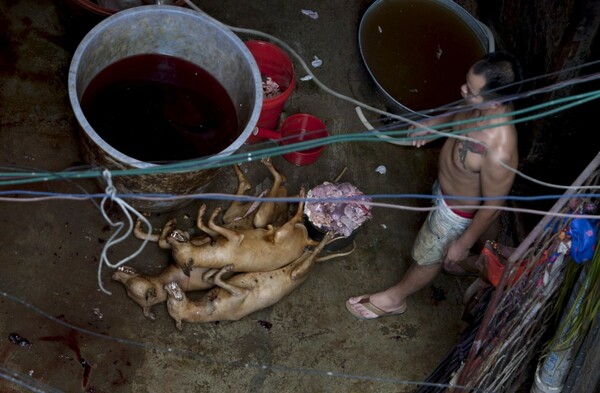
x=111 y=192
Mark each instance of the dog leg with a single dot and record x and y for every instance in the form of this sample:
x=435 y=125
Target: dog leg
x=140 y=234
x=237 y=209
x=310 y=257
x=266 y=211
x=296 y=218
x=209 y=275
x=200 y=223
x=229 y=234
x=147 y=310
x=286 y=230
x=232 y=289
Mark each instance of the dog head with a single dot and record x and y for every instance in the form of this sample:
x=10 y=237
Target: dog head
x=139 y=288
x=174 y=291
x=177 y=237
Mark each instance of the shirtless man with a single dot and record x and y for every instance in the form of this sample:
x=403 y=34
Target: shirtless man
x=468 y=170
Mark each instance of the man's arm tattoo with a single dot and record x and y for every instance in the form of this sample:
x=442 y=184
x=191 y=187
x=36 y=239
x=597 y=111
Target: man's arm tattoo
x=470 y=146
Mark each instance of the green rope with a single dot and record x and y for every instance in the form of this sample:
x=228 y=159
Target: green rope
x=220 y=161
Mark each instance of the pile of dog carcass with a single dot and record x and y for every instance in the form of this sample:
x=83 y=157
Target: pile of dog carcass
x=252 y=260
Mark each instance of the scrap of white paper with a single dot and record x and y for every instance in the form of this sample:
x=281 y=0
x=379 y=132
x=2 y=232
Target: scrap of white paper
x=306 y=78
x=317 y=62
x=381 y=169
x=311 y=14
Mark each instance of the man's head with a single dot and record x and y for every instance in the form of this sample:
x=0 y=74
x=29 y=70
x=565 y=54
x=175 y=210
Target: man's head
x=495 y=76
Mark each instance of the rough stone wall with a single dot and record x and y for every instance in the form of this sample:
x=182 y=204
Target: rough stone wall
x=533 y=30
x=550 y=36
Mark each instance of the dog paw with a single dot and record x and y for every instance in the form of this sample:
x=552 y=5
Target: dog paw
x=150 y=315
x=179 y=325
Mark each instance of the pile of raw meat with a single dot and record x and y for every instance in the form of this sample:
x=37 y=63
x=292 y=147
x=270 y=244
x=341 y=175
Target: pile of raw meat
x=341 y=217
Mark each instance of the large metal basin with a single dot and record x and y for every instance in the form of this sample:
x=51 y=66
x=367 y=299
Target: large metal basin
x=419 y=51
x=174 y=31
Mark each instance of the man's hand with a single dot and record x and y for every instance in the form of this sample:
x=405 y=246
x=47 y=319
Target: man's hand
x=419 y=142
x=456 y=252
x=420 y=129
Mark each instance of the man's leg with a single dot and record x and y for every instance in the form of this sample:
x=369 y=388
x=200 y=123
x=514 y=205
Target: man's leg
x=394 y=298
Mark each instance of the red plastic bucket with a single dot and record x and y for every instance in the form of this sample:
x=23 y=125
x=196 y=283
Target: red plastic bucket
x=300 y=127
x=272 y=62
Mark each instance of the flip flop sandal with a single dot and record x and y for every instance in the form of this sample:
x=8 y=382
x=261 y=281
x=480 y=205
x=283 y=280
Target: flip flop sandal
x=366 y=303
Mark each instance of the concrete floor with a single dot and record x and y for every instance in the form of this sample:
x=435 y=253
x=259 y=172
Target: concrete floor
x=84 y=340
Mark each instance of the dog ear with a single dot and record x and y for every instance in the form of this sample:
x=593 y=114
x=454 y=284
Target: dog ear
x=150 y=294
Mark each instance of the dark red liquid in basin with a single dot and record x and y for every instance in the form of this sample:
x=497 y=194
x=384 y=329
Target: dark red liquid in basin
x=158 y=108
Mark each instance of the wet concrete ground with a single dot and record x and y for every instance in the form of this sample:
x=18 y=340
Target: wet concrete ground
x=82 y=339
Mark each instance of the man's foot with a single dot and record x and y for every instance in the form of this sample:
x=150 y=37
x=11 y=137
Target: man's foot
x=362 y=308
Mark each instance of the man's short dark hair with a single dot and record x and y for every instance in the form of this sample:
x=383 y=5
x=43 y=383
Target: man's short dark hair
x=502 y=72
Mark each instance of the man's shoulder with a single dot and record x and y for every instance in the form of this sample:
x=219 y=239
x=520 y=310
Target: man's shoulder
x=499 y=124
x=502 y=146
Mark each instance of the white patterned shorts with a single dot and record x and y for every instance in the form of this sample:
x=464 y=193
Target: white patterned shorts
x=441 y=228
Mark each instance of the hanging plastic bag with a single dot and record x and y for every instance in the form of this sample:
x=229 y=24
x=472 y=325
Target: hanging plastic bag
x=584 y=236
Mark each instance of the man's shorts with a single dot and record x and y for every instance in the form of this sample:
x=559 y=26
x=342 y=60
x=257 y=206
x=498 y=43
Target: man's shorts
x=441 y=228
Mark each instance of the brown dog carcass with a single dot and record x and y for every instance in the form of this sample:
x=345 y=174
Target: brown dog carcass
x=249 y=250
x=242 y=294
x=149 y=290
x=238 y=215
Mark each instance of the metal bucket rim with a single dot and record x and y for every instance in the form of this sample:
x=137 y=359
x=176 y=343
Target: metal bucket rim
x=148 y=9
